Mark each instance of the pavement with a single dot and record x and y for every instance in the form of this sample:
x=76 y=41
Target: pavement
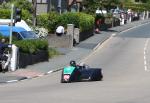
x=77 y=53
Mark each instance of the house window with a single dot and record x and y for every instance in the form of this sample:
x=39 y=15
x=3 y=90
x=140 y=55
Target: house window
x=42 y=1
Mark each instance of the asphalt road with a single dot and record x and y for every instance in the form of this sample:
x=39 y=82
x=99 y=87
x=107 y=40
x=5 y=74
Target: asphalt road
x=124 y=59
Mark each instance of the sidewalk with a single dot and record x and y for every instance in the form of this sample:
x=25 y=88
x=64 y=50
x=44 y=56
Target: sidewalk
x=77 y=53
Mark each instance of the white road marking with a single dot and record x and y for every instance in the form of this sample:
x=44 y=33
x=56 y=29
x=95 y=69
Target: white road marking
x=145 y=55
x=49 y=72
x=12 y=81
x=114 y=34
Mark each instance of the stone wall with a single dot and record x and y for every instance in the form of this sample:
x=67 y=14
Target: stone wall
x=59 y=41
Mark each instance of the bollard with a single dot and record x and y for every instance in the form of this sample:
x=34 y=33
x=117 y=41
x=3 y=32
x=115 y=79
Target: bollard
x=70 y=33
x=14 y=57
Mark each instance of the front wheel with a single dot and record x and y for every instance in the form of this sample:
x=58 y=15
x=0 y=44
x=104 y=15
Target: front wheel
x=65 y=78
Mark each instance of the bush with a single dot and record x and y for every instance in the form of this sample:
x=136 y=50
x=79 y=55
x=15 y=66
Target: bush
x=48 y=21
x=31 y=46
x=68 y=18
x=52 y=20
x=86 y=21
x=42 y=20
x=80 y=20
x=41 y=32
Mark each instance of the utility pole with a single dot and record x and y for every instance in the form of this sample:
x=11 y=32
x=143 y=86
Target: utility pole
x=11 y=24
x=34 y=11
x=59 y=6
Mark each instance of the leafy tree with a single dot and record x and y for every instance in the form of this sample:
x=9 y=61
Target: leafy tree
x=109 y=4
x=22 y=4
x=25 y=5
x=91 y=5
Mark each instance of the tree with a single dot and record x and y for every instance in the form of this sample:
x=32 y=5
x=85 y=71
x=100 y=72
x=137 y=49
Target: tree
x=22 y=4
x=91 y=5
x=109 y=4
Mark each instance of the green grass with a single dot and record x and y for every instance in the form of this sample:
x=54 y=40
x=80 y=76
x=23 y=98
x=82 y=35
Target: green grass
x=53 y=52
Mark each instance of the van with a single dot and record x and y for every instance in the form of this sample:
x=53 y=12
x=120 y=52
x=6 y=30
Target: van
x=22 y=23
x=18 y=32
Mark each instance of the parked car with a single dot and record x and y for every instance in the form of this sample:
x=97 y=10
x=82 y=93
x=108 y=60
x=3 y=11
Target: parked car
x=17 y=32
x=22 y=24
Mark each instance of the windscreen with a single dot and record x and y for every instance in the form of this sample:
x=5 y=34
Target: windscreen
x=28 y=35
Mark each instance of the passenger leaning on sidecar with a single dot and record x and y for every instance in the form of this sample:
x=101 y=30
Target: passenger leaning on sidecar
x=77 y=67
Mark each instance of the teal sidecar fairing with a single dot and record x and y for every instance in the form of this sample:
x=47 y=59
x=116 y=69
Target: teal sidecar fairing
x=68 y=70
x=70 y=74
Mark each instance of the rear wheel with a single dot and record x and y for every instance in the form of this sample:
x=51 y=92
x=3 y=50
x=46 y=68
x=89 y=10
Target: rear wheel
x=96 y=75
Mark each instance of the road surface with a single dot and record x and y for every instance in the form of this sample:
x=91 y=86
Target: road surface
x=124 y=59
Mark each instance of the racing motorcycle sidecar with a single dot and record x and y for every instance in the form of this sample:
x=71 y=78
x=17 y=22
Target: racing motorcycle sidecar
x=81 y=73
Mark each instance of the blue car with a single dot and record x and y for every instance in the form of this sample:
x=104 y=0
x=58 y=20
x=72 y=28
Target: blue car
x=17 y=32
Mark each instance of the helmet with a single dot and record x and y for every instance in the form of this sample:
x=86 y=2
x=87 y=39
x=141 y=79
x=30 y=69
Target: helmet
x=72 y=63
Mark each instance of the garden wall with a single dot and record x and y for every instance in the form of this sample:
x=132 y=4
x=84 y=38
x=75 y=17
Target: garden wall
x=29 y=59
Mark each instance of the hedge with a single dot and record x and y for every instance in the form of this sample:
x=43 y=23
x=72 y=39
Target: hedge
x=86 y=21
x=31 y=46
x=52 y=20
x=68 y=18
x=48 y=21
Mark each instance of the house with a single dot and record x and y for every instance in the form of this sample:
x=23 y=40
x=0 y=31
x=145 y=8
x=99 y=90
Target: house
x=44 y=6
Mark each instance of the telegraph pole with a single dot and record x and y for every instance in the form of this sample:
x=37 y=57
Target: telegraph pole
x=11 y=24
x=34 y=11
x=59 y=6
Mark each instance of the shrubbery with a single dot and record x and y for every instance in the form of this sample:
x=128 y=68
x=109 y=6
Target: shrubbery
x=48 y=21
x=52 y=20
x=86 y=21
x=6 y=14
x=31 y=46
x=68 y=18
